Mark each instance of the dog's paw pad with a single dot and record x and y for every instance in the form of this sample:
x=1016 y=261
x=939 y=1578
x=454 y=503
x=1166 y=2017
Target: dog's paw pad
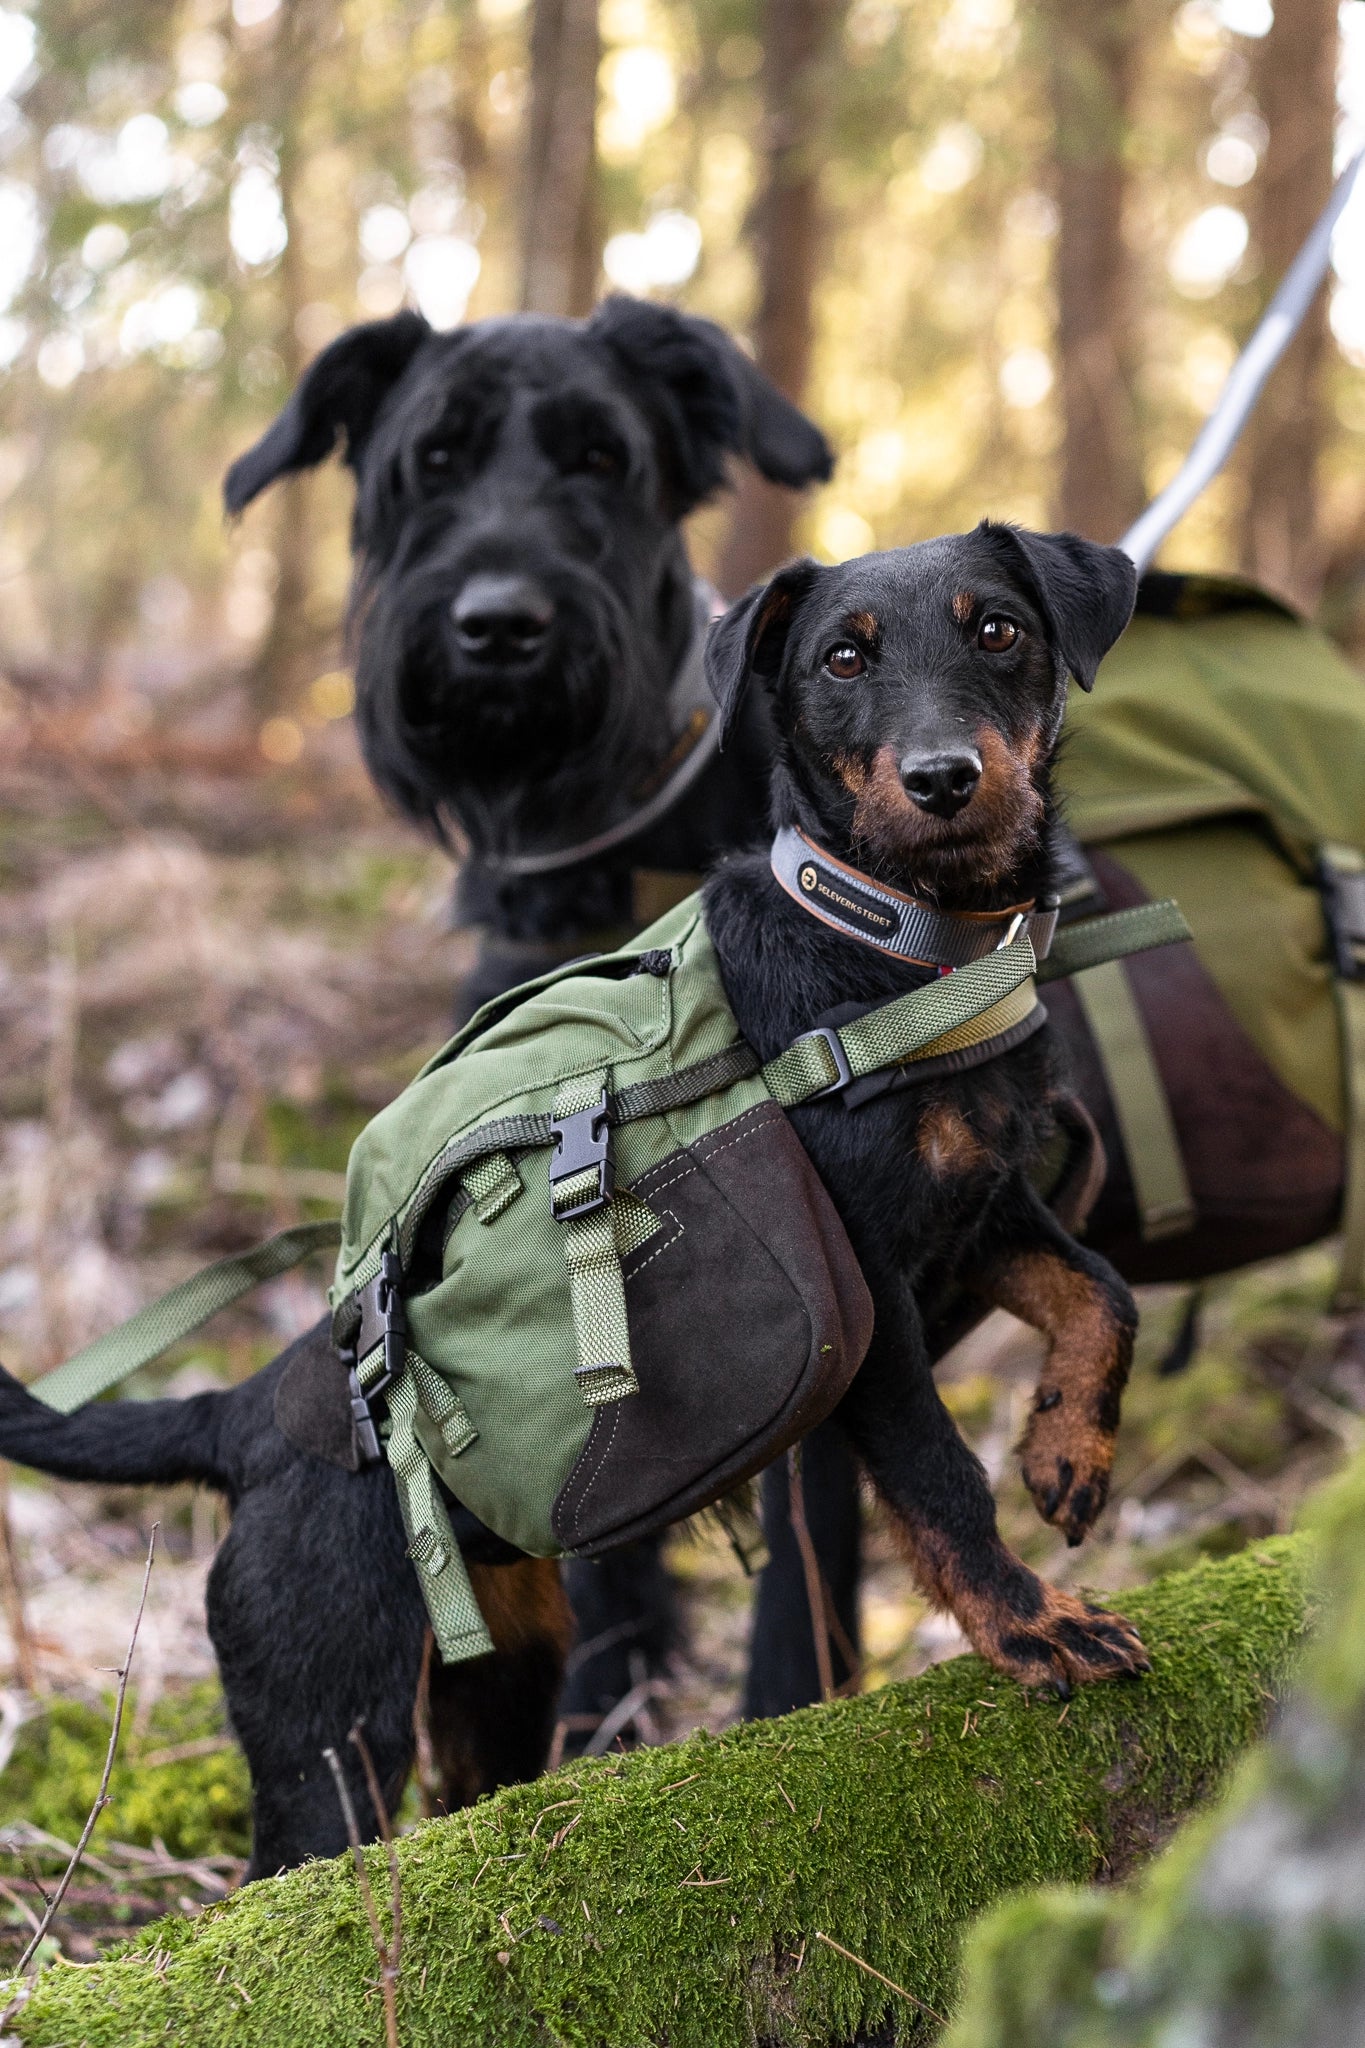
x=1067 y=1472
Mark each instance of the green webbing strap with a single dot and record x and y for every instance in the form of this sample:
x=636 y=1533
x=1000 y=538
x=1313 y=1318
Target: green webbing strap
x=1344 y=867
x=596 y=1288
x=493 y=1185
x=1164 y=1202
x=459 y=1627
x=895 y=1032
x=154 y=1329
x=1111 y=937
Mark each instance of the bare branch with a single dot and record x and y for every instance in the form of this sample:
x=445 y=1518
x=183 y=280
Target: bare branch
x=102 y=1798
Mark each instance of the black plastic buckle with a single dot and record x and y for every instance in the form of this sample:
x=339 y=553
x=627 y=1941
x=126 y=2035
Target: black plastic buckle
x=1343 y=901
x=582 y=1145
x=835 y=1048
x=385 y=1290
x=362 y=1420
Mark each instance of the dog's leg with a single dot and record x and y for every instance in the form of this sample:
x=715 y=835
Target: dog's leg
x=317 y=1618
x=625 y=1608
x=937 y=1489
x=492 y=1719
x=783 y=1672
x=1086 y=1312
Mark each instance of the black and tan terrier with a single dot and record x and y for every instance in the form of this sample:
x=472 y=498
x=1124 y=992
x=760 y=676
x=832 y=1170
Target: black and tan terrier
x=918 y=697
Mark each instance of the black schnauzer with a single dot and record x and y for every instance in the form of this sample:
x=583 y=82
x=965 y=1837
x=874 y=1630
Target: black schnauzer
x=526 y=629
x=918 y=697
x=527 y=643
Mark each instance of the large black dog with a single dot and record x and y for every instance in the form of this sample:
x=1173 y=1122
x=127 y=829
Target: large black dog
x=918 y=698
x=527 y=644
x=527 y=648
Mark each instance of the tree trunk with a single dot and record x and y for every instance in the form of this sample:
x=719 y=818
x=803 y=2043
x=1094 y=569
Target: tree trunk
x=280 y=669
x=702 y=1893
x=559 y=230
x=1295 y=82
x=1091 y=60
x=785 y=225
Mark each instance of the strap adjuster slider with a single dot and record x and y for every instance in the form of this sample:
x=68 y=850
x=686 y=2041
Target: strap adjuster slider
x=834 y=1046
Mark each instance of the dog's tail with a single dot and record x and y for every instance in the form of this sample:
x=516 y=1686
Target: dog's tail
x=135 y=1443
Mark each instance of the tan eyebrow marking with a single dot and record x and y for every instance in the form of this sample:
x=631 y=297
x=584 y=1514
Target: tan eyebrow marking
x=964 y=604
x=864 y=623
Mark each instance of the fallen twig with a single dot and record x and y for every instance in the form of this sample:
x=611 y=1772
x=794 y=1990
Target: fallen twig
x=810 y=1565
x=102 y=1797
x=381 y=1947
x=890 y=1983
x=625 y=1711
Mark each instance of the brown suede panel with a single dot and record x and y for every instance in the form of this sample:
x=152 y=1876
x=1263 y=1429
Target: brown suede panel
x=313 y=1400
x=747 y=1323
x=1264 y=1170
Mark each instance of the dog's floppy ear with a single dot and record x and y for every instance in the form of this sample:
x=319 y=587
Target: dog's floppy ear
x=1086 y=591
x=707 y=400
x=339 y=395
x=751 y=638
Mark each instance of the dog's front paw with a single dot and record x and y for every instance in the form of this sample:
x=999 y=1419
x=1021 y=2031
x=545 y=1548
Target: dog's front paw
x=1066 y=1462
x=1067 y=1642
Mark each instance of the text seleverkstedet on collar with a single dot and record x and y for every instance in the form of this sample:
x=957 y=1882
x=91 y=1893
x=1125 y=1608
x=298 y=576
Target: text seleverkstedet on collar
x=894 y=923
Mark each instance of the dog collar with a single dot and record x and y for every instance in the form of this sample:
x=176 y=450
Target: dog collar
x=900 y=925
x=695 y=727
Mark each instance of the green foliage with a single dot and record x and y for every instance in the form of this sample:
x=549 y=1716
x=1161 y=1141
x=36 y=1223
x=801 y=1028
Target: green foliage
x=196 y=1805
x=1250 y=1929
x=676 y=1894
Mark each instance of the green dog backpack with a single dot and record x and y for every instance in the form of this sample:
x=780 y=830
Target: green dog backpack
x=1221 y=760
x=588 y=1279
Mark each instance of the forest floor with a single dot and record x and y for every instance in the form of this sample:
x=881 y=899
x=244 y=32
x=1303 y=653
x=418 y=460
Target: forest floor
x=211 y=975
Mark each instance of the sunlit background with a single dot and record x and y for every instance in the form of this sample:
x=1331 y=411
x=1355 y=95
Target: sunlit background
x=195 y=198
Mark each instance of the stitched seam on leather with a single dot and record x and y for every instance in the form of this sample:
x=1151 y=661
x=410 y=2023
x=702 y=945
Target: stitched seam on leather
x=706 y=1147
x=591 y=1480
x=631 y=1271
x=646 y=1180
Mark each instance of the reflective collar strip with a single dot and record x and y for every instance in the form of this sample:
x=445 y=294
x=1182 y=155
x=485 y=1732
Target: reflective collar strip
x=896 y=924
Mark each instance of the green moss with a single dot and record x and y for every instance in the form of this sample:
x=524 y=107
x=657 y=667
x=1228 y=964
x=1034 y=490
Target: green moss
x=196 y=1805
x=1251 y=1927
x=674 y=1895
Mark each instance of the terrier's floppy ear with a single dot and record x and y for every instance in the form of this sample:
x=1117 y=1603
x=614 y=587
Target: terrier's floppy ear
x=707 y=400
x=339 y=395
x=1086 y=591
x=751 y=638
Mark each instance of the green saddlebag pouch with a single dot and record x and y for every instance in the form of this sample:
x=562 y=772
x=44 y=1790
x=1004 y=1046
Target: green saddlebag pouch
x=588 y=1263
x=1222 y=761
x=589 y=1280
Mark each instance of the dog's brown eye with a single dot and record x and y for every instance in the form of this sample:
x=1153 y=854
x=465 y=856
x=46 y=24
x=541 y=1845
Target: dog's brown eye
x=600 y=462
x=844 y=661
x=995 y=635
x=435 y=460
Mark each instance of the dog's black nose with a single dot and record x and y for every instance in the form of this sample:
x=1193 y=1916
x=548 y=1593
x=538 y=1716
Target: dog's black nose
x=941 y=783
x=503 y=618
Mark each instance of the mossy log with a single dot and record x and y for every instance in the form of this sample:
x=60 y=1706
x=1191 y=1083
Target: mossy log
x=675 y=1895
x=1250 y=1931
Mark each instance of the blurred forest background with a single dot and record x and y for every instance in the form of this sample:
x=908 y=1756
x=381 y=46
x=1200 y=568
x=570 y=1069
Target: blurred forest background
x=1004 y=253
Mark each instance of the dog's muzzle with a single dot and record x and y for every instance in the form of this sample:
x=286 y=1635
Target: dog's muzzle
x=941 y=784
x=503 y=620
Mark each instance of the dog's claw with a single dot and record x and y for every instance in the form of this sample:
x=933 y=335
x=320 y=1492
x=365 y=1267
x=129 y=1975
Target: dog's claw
x=1066 y=1643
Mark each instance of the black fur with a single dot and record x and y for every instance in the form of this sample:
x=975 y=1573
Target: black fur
x=314 y=1610
x=558 y=458
x=926 y=684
